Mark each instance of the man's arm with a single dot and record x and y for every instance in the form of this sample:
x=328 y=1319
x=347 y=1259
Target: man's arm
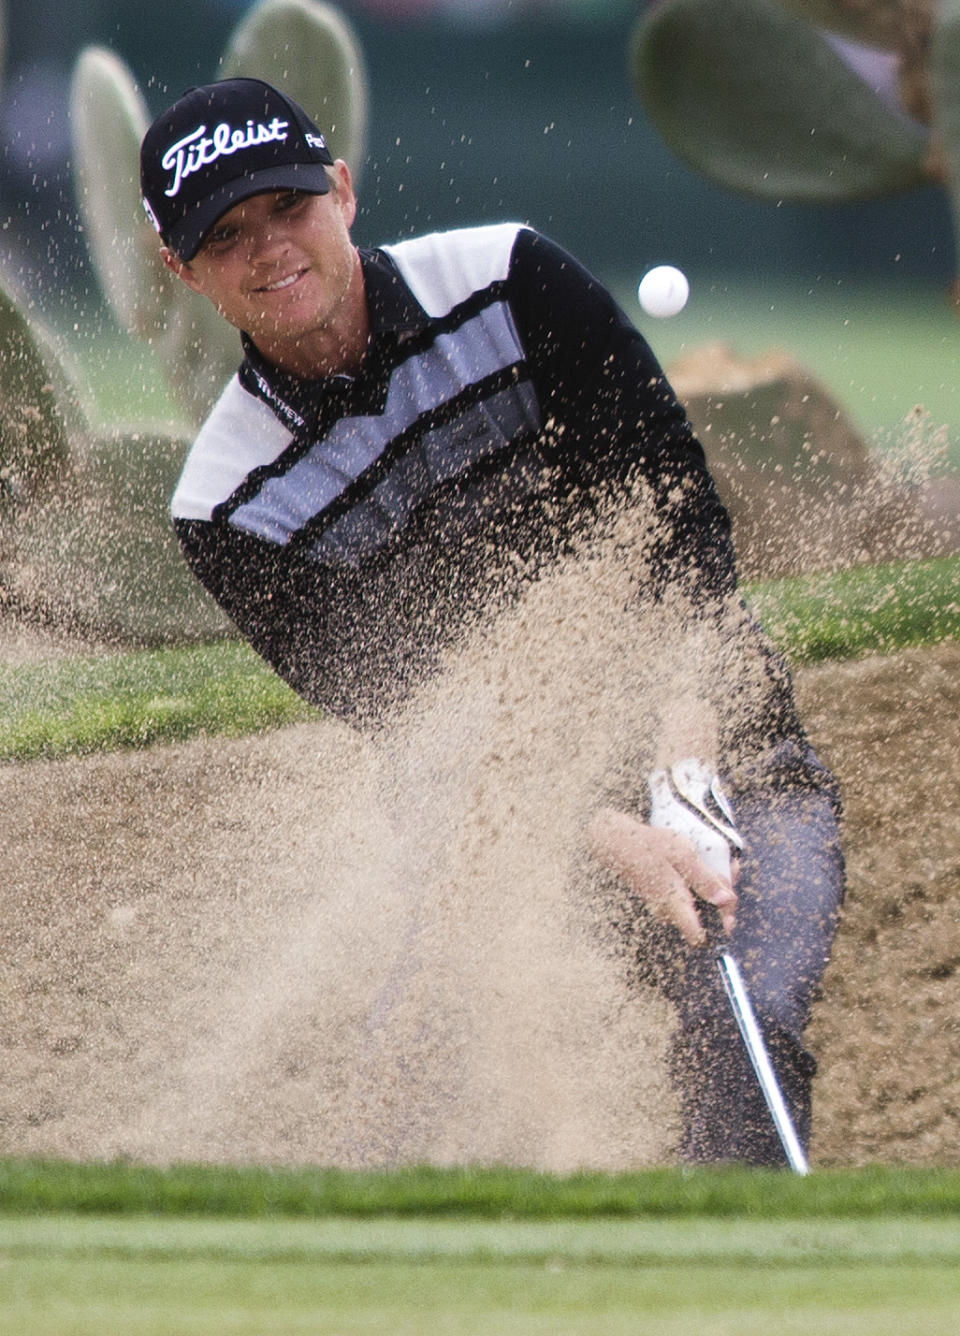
x=622 y=425
x=296 y=613
x=624 y=429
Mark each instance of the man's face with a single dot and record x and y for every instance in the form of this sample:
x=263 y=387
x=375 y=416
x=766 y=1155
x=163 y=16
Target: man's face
x=280 y=266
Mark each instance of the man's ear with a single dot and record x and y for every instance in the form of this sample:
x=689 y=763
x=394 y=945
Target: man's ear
x=177 y=266
x=341 y=182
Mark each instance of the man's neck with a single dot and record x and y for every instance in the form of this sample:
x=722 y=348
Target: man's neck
x=310 y=361
x=335 y=348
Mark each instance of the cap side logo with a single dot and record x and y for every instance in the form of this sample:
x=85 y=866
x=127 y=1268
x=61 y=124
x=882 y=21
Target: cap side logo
x=151 y=215
x=198 y=149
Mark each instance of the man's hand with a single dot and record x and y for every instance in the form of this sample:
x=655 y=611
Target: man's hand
x=663 y=869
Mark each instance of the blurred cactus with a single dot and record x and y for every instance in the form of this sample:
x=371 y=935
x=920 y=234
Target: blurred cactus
x=85 y=535
x=307 y=49
x=35 y=407
x=890 y=25
x=109 y=119
x=818 y=101
x=758 y=100
x=902 y=26
x=764 y=97
x=303 y=46
x=97 y=554
x=37 y=403
x=197 y=351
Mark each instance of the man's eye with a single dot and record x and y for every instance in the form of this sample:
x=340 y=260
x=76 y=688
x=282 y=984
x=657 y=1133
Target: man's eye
x=290 y=201
x=219 y=239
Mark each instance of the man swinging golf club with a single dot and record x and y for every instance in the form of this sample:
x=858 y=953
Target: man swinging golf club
x=416 y=433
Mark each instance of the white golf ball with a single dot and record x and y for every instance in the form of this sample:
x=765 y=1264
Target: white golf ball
x=663 y=291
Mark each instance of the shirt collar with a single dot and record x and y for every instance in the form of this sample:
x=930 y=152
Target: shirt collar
x=392 y=306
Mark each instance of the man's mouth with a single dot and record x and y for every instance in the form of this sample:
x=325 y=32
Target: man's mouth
x=282 y=283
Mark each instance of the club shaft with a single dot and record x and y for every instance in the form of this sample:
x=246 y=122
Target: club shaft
x=753 y=1041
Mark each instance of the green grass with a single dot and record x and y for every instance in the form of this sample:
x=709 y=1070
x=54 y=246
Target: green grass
x=79 y=705
x=638 y=1241
x=94 y=703
x=118 y=1248
x=865 y=610
x=119 y=378
x=599 y=1280
x=119 y=1188
x=108 y=1295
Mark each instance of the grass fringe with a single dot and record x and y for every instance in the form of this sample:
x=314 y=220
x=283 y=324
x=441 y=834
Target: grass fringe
x=32 y=1186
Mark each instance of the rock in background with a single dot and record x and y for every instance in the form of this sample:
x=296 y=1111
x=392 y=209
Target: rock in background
x=804 y=489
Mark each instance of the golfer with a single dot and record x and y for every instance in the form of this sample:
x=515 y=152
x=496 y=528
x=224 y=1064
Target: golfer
x=414 y=434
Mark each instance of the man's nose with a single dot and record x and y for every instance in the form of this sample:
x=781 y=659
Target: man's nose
x=268 y=245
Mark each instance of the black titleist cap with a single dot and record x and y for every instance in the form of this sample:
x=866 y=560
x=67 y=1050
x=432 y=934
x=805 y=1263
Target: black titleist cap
x=220 y=144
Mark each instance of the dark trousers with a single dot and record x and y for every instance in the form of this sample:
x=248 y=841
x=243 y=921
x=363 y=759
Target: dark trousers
x=790 y=891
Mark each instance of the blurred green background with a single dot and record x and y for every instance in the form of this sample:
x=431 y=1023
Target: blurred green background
x=491 y=109
x=480 y=109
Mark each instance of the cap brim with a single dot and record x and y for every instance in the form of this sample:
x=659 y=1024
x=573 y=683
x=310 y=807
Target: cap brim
x=187 y=236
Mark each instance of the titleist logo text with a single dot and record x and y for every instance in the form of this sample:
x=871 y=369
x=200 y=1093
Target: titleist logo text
x=198 y=149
